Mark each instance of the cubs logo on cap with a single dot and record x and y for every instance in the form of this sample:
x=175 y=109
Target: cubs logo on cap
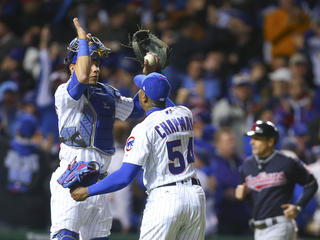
x=129 y=144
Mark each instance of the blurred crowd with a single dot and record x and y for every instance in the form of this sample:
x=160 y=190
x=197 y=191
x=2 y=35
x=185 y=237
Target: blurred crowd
x=232 y=62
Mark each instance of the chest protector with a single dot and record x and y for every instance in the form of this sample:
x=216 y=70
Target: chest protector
x=95 y=128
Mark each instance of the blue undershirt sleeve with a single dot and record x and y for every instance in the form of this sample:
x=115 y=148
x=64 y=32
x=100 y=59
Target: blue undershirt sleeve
x=116 y=180
x=137 y=111
x=76 y=89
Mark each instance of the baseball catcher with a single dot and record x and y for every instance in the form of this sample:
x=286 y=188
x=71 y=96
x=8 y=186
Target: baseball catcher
x=80 y=174
x=143 y=42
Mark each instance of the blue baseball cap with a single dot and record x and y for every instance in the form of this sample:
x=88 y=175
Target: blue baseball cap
x=8 y=86
x=155 y=85
x=27 y=125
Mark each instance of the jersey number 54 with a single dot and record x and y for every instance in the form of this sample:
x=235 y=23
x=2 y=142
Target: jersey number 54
x=175 y=154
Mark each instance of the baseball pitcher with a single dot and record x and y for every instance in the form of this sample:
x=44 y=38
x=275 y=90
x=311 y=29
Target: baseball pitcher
x=163 y=146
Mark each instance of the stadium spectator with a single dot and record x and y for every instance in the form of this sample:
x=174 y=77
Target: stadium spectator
x=282 y=25
x=24 y=171
x=233 y=215
x=238 y=110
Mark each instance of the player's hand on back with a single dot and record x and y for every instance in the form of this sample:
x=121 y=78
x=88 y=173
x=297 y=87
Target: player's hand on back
x=290 y=211
x=80 y=31
x=80 y=194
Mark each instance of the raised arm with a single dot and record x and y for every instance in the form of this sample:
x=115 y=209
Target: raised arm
x=82 y=67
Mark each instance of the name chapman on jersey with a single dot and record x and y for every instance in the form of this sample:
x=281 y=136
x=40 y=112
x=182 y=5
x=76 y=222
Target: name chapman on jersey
x=170 y=126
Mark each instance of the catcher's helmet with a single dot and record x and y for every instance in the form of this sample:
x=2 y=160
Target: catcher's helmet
x=264 y=129
x=96 y=50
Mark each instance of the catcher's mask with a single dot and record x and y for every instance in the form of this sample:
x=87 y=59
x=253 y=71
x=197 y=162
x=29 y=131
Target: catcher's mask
x=97 y=50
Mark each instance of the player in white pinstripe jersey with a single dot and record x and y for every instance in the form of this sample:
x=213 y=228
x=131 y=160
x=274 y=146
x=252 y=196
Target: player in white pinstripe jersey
x=163 y=146
x=86 y=111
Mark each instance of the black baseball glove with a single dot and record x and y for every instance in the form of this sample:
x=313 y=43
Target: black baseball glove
x=144 y=41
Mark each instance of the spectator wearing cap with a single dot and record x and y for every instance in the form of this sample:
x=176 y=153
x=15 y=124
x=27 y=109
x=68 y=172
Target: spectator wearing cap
x=280 y=79
x=23 y=173
x=297 y=141
x=299 y=68
x=301 y=138
x=233 y=215
x=238 y=109
x=282 y=25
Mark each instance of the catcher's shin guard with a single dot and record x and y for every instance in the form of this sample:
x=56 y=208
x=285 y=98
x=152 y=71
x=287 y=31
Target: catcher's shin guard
x=65 y=234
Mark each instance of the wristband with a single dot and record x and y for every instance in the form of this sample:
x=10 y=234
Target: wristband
x=83 y=48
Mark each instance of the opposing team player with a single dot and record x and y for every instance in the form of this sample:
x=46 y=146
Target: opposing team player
x=269 y=178
x=86 y=111
x=163 y=146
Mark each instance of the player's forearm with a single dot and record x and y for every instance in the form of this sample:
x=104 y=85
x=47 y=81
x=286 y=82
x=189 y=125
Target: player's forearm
x=115 y=181
x=83 y=62
x=309 y=191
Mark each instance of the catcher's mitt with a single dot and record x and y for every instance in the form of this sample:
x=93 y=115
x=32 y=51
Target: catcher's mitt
x=80 y=174
x=144 y=41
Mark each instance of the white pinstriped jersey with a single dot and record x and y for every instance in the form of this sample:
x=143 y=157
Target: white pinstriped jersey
x=91 y=218
x=163 y=145
x=69 y=113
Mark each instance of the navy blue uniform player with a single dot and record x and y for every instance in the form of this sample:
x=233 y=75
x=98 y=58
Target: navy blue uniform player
x=268 y=179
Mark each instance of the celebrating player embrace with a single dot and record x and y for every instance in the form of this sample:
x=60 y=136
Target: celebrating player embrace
x=163 y=146
x=86 y=112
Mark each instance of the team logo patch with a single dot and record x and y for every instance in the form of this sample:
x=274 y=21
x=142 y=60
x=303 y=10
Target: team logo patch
x=130 y=143
x=265 y=180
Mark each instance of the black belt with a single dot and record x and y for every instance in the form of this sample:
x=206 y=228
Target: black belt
x=194 y=181
x=263 y=225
